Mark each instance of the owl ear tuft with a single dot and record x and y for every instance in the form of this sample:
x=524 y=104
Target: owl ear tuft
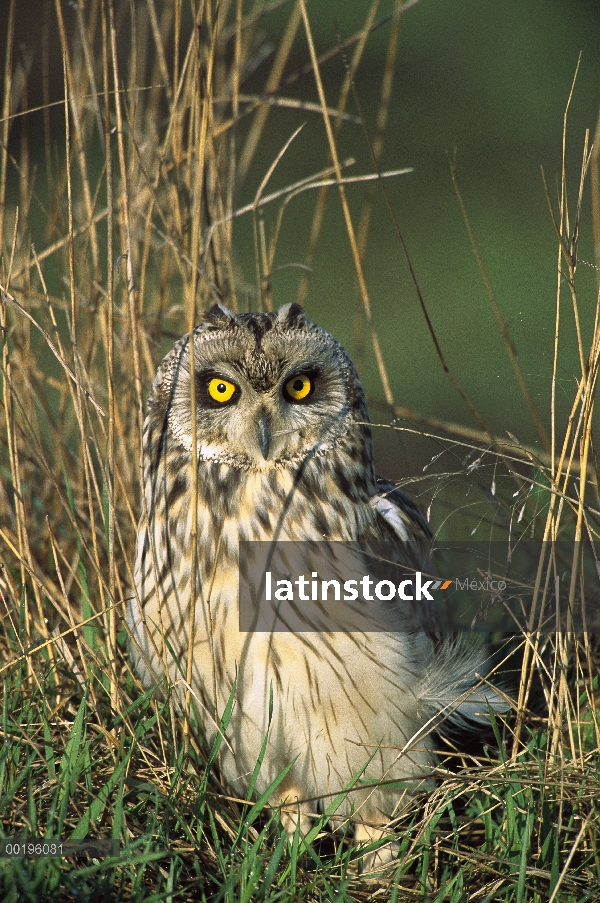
x=292 y=316
x=219 y=316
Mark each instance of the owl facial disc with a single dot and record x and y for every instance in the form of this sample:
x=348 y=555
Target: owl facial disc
x=270 y=390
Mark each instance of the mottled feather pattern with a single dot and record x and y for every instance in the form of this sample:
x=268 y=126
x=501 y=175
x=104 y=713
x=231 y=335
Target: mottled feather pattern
x=339 y=697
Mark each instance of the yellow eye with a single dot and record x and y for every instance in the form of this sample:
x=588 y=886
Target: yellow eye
x=299 y=387
x=221 y=390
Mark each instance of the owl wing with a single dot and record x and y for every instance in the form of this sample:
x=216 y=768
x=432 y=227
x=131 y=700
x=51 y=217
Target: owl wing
x=452 y=687
x=405 y=534
x=398 y=516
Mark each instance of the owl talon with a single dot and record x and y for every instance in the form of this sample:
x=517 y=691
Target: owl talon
x=381 y=858
x=290 y=814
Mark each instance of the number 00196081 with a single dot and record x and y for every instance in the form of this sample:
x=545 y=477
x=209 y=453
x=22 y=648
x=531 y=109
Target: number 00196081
x=19 y=847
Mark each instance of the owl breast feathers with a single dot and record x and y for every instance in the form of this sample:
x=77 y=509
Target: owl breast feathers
x=284 y=453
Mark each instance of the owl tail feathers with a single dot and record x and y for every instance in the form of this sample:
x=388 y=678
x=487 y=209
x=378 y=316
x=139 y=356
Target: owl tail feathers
x=455 y=692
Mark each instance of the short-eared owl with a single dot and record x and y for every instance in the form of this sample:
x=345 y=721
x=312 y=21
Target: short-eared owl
x=284 y=453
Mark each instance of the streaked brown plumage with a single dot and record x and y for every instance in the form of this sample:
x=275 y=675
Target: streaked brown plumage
x=287 y=456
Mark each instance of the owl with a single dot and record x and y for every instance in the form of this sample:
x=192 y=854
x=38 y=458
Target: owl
x=284 y=454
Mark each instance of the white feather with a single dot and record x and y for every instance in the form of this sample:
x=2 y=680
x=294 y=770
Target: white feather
x=390 y=513
x=454 y=689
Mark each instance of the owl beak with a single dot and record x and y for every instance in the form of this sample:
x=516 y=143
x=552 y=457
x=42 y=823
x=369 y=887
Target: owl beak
x=264 y=434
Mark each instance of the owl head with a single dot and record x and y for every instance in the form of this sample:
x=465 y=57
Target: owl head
x=270 y=389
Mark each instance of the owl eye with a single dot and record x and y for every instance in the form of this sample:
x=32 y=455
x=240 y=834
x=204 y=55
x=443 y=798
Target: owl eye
x=221 y=390
x=299 y=387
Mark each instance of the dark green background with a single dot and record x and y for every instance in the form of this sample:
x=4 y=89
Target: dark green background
x=487 y=84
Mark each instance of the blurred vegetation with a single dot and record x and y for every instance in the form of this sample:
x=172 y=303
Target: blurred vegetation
x=479 y=83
